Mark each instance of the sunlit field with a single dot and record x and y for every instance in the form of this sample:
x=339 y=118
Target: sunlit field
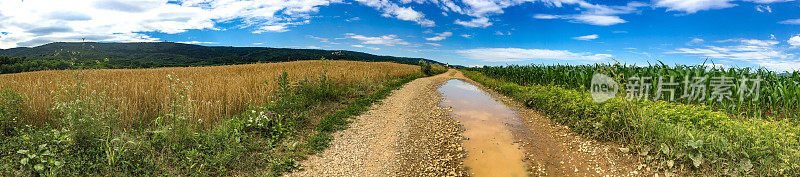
x=216 y=92
x=251 y=120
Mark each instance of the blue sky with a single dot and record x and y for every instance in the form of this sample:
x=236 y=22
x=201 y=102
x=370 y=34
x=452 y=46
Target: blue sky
x=753 y=33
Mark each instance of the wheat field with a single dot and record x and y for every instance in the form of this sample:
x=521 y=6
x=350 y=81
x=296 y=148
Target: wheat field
x=217 y=92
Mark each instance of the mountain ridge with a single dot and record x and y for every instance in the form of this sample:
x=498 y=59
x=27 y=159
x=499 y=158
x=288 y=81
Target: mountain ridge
x=168 y=54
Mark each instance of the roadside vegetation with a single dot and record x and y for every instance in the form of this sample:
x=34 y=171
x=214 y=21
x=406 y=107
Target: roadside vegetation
x=242 y=120
x=431 y=69
x=733 y=138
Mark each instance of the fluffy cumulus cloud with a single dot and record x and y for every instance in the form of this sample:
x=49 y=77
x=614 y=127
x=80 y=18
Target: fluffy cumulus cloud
x=693 y=6
x=764 y=53
x=518 y=54
x=480 y=22
x=391 y=9
x=794 y=41
x=440 y=36
x=388 y=40
x=35 y=22
x=587 y=37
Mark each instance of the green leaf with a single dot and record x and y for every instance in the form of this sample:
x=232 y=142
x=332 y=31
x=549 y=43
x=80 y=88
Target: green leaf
x=745 y=165
x=38 y=167
x=24 y=161
x=665 y=149
x=22 y=151
x=697 y=160
x=42 y=146
x=695 y=144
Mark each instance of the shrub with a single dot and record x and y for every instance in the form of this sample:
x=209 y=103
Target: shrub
x=86 y=116
x=430 y=69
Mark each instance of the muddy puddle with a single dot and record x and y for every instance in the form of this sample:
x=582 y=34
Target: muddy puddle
x=490 y=144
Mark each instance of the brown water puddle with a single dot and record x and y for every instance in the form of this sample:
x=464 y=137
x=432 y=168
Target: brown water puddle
x=490 y=144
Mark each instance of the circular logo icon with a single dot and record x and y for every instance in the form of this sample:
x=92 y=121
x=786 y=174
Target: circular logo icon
x=603 y=88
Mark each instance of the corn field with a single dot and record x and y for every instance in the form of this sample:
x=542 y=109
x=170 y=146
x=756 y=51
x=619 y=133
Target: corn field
x=216 y=92
x=777 y=99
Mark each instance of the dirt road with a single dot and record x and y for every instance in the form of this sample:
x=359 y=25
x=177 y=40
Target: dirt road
x=411 y=134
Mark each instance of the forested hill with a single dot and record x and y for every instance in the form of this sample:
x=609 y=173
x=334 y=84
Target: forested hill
x=163 y=54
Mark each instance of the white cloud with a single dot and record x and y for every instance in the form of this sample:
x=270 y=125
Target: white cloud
x=362 y=46
x=762 y=43
x=601 y=20
x=695 y=41
x=480 y=22
x=587 y=37
x=791 y=22
x=434 y=44
x=545 y=16
x=594 y=14
x=693 y=6
x=390 y=9
x=499 y=33
x=517 y=54
x=388 y=40
x=466 y=36
x=318 y=38
x=440 y=36
x=764 y=53
x=353 y=19
x=36 y=22
x=794 y=41
x=764 y=8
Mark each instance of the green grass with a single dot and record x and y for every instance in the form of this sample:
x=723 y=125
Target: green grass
x=674 y=137
x=266 y=140
x=779 y=97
